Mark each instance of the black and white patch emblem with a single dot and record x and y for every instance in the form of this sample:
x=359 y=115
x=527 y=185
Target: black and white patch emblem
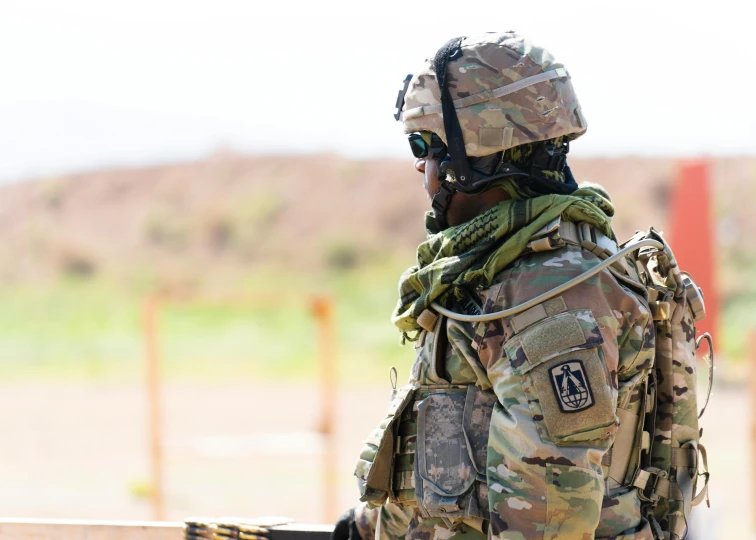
x=571 y=387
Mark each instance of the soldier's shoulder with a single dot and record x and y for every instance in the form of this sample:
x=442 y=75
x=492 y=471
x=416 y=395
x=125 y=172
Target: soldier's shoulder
x=536 y=273
x=564 y=262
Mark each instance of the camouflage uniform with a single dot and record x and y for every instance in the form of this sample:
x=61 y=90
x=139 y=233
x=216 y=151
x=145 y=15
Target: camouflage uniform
x=553 y=382
x=544 y=470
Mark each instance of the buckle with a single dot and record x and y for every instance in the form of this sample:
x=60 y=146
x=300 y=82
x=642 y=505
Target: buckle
x=550 y=157
x=647 y=481
x=587 y=236
x=440 y=202
x=549 y=228
x=660 y=311
x=595 y=241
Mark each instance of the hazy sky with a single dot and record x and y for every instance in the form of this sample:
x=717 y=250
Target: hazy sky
x=91 y=83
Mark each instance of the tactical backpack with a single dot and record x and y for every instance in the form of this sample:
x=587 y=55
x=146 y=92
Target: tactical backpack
x=670 y=453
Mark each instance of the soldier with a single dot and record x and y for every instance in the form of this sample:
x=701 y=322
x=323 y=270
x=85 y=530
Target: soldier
x=506 y=427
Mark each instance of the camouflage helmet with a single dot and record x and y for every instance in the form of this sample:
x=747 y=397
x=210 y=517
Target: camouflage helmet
x=506 y=92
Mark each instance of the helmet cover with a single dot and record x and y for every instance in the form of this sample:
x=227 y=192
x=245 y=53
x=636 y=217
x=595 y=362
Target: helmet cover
x=506 y=92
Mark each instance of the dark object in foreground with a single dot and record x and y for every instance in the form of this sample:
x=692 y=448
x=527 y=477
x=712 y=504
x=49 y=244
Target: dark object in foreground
x=257 y=529
x=346 y=527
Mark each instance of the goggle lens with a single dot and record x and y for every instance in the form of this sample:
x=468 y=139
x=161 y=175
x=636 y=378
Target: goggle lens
x=418 y=145
x=423 y=143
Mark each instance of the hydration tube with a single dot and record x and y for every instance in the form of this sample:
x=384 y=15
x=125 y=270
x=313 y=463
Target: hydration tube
x=553 y=292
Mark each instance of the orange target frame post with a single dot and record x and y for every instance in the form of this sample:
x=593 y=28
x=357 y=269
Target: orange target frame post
x=322 y=310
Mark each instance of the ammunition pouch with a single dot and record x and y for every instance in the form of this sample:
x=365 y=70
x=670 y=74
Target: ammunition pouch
x=374 y=469
x=452 y=445
x=430 y=452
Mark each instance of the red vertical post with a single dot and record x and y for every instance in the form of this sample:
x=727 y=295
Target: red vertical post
x=692 y=234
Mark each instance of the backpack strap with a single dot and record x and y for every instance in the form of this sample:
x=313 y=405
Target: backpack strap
x=709 y=358
x=440 y=344
x=558 y=232
x=704 y=493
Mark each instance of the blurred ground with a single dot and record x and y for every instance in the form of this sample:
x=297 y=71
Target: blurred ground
x=247 y=449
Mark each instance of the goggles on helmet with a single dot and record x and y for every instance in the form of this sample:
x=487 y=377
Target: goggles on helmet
x=426 y=143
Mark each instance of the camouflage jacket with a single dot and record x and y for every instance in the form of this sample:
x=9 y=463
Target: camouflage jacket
x=559 y=372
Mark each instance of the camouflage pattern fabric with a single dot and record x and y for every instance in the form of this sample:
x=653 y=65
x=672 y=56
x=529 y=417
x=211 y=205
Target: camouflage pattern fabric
x=399 y=522
x=539 y=487
x=471 y=254
x=394 y=521
x=506 y=90
x=676 y=425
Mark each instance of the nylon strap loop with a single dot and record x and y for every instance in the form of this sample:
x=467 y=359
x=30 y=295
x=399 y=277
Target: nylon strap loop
x=704 y=493
x=454 y=139
x=709 y=358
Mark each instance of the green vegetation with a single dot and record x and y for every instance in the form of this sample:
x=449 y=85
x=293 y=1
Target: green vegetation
x=78 y=328
x=737 y=324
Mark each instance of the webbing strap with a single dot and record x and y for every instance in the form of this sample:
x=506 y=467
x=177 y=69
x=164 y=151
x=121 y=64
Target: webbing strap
x=455 y=142
x=427 y=320
x=440 y=344
x=487 y=95
x=684 y=457
x=652 y=484
x=406 y=444
x=678 y=527
x=709 y=358
x=576 y=234
x=685 y=487
x=568 y=231
x=704 y=493
x=440 y=202
x=658 y=533
x=542 y=244
x=404 y=480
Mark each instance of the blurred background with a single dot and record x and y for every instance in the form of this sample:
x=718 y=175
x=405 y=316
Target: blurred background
x=205 y=208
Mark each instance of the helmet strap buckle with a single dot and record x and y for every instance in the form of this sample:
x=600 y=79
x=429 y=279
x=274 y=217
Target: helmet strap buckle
x=550 y=157
x=440 y=203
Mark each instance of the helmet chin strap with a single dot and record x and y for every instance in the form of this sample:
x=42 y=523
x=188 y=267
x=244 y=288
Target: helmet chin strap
x=440 y=203
x=482 y=178
x=454 y=140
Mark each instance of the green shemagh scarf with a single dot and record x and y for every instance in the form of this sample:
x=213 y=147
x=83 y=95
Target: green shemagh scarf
x=473 y=253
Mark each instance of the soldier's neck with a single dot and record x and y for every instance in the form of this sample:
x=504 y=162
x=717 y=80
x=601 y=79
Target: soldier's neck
x=465 y=207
